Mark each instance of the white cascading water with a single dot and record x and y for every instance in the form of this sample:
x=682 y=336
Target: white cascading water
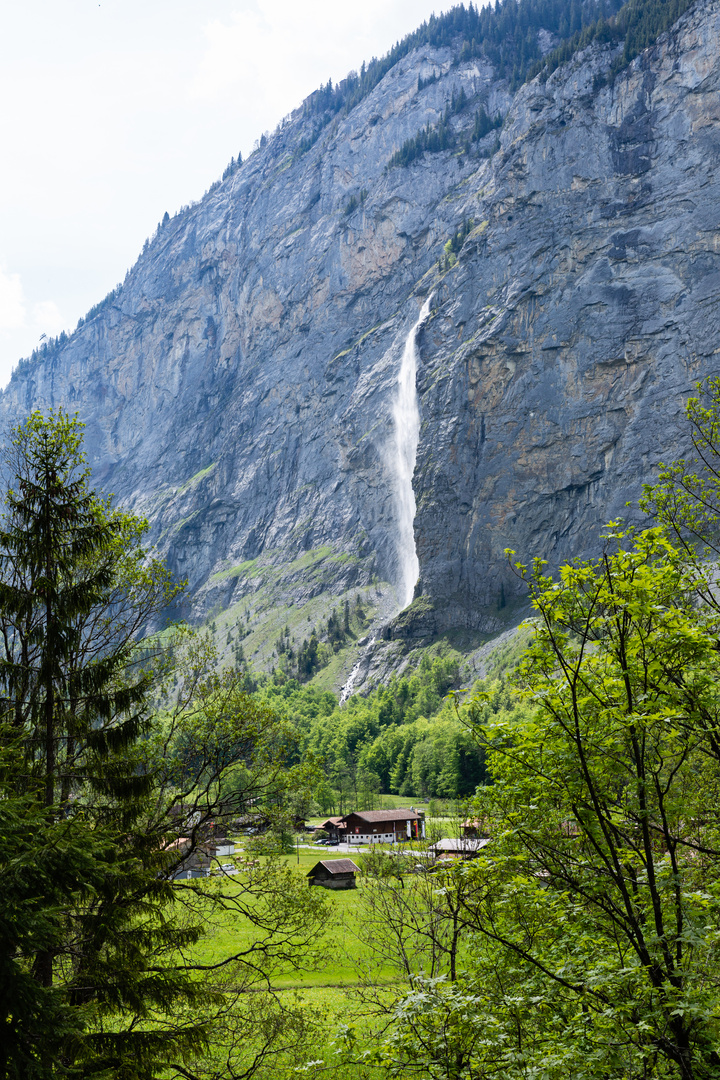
x=401 y=461
x=406 y=417
x=349 y=686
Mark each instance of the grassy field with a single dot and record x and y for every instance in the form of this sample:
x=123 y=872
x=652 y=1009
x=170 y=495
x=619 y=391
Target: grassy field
x=330 y=991
x=346 y=952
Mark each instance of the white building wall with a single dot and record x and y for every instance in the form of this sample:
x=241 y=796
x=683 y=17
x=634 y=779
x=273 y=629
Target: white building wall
x=371 y=838
x=375 y=838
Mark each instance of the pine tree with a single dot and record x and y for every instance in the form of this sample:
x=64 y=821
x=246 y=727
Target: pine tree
x=98 y=978
x=73 y=592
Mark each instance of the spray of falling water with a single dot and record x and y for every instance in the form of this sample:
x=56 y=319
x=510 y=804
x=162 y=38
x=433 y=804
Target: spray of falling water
x=406 y=418
x=403 y=452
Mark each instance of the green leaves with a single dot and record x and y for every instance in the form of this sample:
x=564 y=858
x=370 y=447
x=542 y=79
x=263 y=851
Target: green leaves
x=603 y=873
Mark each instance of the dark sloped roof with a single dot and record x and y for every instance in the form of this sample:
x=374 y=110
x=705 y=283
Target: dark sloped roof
x=463 y=844
x=384 y=815
x=336 y=866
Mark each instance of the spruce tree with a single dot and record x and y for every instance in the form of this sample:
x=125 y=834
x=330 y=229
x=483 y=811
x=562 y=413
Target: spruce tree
x=87 y=978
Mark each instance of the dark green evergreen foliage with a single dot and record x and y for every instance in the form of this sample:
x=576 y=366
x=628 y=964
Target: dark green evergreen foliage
x=484 y=124
x=458 y=101
x=432 y=139
x=505 y=34
x=96 y=309
x=336 y=633
x=307 y=658
x=354 y=202
x=458 y=239
x=422 y=83
x=230 y=169
x=74 y=590
x=637 y=25
x=454 y=244
x=60 y=559
x=282 y=645
x=317 y=650
x=309 y=141
x=45 y=867
x=97 y=978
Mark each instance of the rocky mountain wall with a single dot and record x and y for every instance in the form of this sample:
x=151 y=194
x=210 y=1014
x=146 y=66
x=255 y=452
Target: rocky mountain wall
x=582 y=310
x=238 y=389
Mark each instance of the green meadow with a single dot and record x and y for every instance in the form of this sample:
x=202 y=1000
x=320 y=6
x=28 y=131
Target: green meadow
x=333 y=987
x=343 y=953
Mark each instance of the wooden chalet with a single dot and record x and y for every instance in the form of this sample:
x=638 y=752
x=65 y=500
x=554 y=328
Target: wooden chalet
x=196 y=865
x=382 y=826
x=332 y=826
x=334 y=874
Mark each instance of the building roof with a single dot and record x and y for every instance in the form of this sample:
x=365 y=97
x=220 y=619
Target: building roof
x=336 y=866
x=461 y=845
x=330 y=821
x=384 y=815
x=181 y=842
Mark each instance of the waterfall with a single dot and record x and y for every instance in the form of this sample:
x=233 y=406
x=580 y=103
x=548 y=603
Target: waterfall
x=402 y=452
x=406 y=418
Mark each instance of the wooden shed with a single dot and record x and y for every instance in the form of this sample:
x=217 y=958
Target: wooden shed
x=334 y=874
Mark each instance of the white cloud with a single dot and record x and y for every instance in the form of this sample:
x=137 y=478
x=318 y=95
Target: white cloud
x=47 y=318
x=23 y=322
x=12 y=302
x=268 y=57
x=116 y=112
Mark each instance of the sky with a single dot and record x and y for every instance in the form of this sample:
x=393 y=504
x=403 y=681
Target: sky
x=116 y=111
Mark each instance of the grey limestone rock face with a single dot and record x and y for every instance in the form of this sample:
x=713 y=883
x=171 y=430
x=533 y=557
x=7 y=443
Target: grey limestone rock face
x=238 y=388
x=579 y=316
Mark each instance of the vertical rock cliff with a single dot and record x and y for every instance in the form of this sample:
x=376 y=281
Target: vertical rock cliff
x=239 y=387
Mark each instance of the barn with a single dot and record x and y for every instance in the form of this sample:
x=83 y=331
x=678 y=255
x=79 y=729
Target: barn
x=334 y=874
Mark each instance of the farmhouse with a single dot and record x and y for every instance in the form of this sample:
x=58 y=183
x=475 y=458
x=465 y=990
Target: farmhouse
x=332 y=826
x=382 y=826
x=196 y=865
x=334 y=874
